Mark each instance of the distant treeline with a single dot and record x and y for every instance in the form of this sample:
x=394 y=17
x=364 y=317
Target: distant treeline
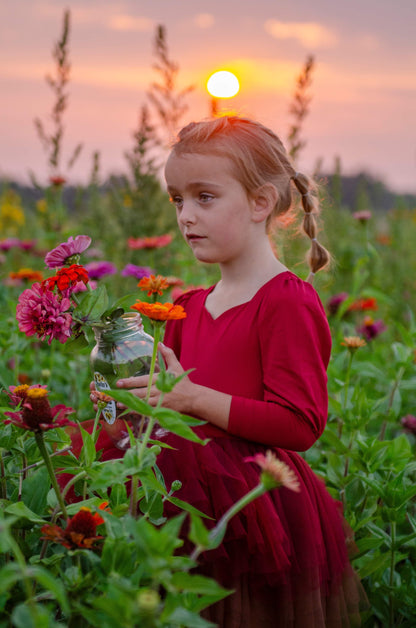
x=357 y=192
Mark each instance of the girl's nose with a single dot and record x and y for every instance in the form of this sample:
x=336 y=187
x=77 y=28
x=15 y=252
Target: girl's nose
x=187 y=215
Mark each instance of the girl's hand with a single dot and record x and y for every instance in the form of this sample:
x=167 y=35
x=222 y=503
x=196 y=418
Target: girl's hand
x=178 y=399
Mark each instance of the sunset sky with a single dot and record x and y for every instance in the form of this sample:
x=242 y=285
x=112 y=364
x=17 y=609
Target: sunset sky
x=363 y=105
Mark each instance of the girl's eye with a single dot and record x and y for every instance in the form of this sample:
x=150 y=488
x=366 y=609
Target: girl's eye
x=204 y=197
x=177 y=201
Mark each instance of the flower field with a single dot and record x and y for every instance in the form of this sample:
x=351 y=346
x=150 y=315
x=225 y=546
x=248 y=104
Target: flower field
x=95 y=562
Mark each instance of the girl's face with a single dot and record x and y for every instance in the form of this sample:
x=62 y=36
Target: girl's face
x=213 y=209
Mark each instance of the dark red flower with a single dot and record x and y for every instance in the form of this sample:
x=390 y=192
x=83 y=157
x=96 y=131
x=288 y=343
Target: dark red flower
x=334 y=302
x=34 y=412
x=409 y=423
x=80 y=530
x=57 y=181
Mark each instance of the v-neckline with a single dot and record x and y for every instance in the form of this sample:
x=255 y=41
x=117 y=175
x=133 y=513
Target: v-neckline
x=239 y=305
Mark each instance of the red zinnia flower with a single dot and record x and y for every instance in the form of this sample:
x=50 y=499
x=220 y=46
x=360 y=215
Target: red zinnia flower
x=153 y=242
x=160 y=311
x=80 y=531
x=35 y=413
x=364 y=304
x=66 y=278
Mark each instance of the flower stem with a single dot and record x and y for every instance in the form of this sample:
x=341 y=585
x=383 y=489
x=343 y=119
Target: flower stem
x=256 y=492
x=43 y=450
x=97 y=418
x=153 y=360
x=391 y=582
x=149 y=427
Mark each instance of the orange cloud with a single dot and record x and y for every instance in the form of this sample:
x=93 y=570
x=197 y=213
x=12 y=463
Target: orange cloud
x=309 y=34
x=129 y=23
x=204 y=20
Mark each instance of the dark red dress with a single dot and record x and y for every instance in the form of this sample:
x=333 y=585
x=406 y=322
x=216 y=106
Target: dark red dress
x=285 y=555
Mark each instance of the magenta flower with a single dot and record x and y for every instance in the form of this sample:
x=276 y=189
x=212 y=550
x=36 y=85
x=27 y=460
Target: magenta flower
x=67 y=252
x=99 y=269
x=409 y=423
x=9 y=243
x=131 y=270
x=370 y=328
x=27 y=245
x=335 y=302
x=40 y=312
x=35 y=412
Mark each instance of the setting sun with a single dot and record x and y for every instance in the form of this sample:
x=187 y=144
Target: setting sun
x=223 y=84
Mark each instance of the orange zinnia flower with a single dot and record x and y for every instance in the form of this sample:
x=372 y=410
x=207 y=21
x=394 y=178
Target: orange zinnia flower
x=160 y=311
x=353 y=342
x=28 y=274
x=154 y=285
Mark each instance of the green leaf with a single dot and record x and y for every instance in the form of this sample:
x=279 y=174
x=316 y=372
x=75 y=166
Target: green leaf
x=130 y=400
x=88 y=452
x=172 y=421
x=185 y=506
x=198 y=533
x=182 y=617
x=20 y=510
x=92 y=305
x=379 y=563
x=196 y=584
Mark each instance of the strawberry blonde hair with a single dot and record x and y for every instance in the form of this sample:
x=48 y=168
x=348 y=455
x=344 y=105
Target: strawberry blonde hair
x=258 y=157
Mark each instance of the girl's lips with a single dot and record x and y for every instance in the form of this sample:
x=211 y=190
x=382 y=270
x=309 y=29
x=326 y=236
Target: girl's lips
x=192 y=237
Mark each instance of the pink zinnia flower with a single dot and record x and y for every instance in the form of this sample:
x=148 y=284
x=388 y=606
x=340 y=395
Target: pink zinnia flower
x=99 y=269
x=67 y=252
x=370 y=328
x=40 y=312
x=35 y=412
x=363 y=216
x=275 y=473
x=131 y=270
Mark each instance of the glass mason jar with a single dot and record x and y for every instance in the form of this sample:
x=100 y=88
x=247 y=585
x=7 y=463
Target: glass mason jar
x=123 y=349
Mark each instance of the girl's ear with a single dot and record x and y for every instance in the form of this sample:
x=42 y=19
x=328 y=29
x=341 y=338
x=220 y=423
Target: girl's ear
x=265 y=199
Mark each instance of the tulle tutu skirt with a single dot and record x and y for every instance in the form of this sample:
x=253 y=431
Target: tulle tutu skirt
x=285 y=554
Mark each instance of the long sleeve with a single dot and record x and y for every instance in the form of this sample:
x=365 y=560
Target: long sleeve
x=295 y=347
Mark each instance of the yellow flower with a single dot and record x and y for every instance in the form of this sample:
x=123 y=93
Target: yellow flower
x=42 y=206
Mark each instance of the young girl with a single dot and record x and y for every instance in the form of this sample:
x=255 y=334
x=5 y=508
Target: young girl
x=259 y=344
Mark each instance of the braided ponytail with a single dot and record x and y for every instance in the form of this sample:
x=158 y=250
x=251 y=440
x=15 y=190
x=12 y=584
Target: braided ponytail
x=318 y=257
x=258 y=157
